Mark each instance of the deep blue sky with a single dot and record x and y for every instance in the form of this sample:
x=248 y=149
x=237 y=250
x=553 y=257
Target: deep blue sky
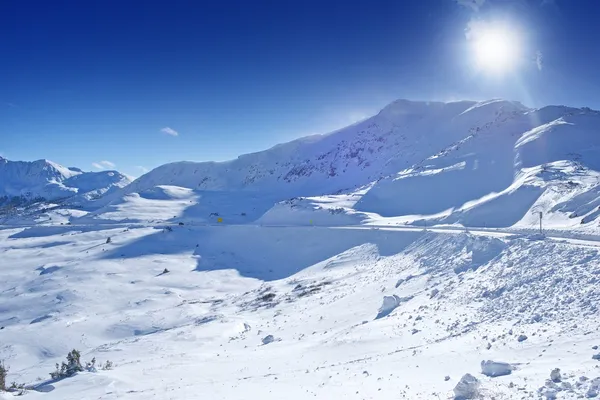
x=90 y=81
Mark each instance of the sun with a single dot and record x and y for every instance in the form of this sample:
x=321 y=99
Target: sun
x=496 y=48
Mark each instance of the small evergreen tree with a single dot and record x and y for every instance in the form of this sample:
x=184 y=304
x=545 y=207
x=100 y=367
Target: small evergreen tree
x=74 y=362
x=70 y=368
x=3 y=373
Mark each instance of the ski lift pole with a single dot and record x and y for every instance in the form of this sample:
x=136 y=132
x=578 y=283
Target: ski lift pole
x=541 y=231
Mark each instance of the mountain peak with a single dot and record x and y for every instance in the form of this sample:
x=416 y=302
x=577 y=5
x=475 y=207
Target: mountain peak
x=49 y=180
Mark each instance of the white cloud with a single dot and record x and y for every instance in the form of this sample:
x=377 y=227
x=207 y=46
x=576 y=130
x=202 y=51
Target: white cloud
x=108 y=164
x=539 y=60
x=169 y=131
x=474 y=5
x=142 y=169
x=103 y=165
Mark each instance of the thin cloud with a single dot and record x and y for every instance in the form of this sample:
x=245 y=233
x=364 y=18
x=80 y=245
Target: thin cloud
x=169 y=131
x=539 y=60
x=474 y=5
x=108 y=164
x=142 y=168
x=103 y=165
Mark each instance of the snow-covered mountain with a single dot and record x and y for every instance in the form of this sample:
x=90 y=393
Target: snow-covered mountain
x=457 y=162
x=402 y=134
x=43 y=179
x=531 y=160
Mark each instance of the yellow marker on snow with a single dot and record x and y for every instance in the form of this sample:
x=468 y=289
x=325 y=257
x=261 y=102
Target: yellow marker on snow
x=219 y=219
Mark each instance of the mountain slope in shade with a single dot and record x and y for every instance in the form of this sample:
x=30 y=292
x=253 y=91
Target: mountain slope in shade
x=51 y=181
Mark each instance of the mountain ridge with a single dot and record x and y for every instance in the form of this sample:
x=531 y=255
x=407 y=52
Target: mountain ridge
x=23 y=181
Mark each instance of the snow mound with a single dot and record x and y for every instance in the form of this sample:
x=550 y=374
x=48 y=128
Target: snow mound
x=335 y=210
x=163 y=203
x=389 y=304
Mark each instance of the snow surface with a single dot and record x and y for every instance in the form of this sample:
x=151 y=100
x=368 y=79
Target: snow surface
x=199 y=329
x=387 y=260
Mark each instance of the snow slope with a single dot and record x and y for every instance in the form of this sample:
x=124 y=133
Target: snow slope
x=197 y=330
x=502 y=172
x=50 y=181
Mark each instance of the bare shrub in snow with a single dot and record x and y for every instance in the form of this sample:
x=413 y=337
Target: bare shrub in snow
x=18 y=388
x=108 y=365
x=90 y=366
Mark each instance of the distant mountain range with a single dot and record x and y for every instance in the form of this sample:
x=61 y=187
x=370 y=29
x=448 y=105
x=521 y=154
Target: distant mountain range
x=22 y=181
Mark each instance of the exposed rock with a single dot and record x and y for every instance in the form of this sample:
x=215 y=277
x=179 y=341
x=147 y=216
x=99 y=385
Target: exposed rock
x=522 y=338
x=268 y=339
x=466 y=388
x=495 y=368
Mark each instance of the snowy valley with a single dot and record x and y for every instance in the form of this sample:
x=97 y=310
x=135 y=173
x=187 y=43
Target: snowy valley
x=385 y=260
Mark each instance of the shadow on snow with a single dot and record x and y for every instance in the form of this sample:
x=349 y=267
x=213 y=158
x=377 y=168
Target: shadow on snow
x=267 y=253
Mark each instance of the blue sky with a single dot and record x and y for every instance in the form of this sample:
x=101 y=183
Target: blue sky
x=97 y=84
